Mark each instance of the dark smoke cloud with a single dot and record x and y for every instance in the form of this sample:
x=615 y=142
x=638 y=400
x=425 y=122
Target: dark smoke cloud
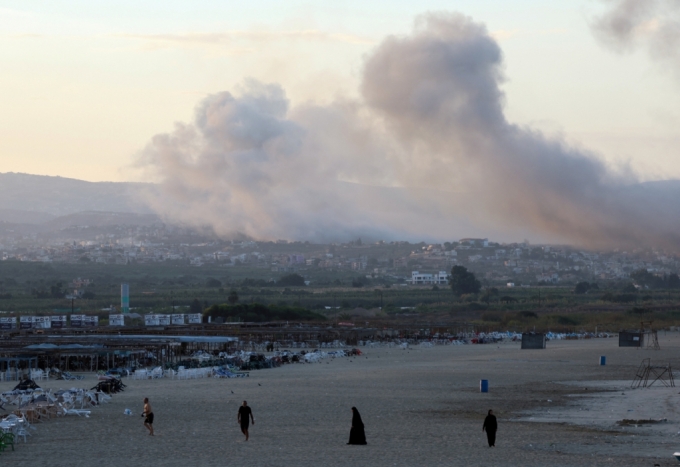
x=431 y=122
x=655 y=24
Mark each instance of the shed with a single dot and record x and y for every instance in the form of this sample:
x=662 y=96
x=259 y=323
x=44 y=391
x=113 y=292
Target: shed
x=533 y=340
x=630 y=339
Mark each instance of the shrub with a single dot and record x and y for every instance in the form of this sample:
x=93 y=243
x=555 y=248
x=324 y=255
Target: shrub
x=566 y=320
x=527 y=314
x=582 y=287
x=492 y=316
x=293 y=280
x=257 y=312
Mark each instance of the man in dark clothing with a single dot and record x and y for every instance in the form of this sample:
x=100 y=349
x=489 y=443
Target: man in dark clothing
x=243 y=413
x=490 y=426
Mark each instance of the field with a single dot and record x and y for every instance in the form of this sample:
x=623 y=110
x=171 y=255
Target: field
x=157 y=288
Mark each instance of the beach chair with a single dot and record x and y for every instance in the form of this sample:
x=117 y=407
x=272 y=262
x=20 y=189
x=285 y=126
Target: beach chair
x=90 y=399
x=101 y=397
x=68 y=400
x=69 y=377
x=19 y=426
x=79 y=400
x=21 y=432
x=78 y=412
x=25 y=399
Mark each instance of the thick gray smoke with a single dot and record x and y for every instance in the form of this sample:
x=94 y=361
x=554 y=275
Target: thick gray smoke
x=655 y=24
x=251 y=165
x=431 y=122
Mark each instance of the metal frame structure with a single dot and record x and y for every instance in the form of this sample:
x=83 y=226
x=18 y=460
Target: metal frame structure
x=645 y=372
x=650 y=336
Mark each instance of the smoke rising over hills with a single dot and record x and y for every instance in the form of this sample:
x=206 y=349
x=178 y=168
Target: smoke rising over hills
x=430 y=121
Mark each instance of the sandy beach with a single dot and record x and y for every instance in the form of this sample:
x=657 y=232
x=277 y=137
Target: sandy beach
x=555 y=407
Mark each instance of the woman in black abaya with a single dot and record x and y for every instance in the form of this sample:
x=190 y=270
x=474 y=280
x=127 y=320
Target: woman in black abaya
x=490 y=426
x=357 y=434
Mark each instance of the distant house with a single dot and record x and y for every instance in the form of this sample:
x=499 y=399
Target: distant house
x=441 y=278
x=477 y=242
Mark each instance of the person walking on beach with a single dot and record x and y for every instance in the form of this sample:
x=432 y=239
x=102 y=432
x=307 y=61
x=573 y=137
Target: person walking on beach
x=490 y=426
x=148 y=414
x=243 y=413
x=357 y=435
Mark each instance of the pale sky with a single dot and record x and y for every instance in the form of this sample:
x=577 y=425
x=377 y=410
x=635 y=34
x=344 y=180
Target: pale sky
x=85 y=84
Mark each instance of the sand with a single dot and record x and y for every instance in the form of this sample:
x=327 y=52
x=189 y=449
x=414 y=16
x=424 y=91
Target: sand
x=420 y=407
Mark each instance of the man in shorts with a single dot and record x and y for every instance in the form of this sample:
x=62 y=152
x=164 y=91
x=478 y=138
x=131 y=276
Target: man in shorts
x=243 y=413
x=148 y=414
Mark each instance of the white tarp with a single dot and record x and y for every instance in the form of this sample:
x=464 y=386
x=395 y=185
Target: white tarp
x=195 y=318
x=77 y=321
x=58 y=321
x=90 y=321
x=26 y=322
x=116 y=320
x=8 y=323
x=151 y=320
x=41 y=322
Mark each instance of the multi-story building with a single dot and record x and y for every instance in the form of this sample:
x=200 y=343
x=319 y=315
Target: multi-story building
x=441 y=278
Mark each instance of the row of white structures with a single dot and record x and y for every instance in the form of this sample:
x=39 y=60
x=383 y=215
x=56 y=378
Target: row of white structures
x=82 y=321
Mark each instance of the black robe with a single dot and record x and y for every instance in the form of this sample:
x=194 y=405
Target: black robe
x=357 y=434
x=490 y=426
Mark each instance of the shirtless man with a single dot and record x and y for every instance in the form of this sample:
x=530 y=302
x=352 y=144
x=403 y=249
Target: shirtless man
x=148 y=413
x=243 y=412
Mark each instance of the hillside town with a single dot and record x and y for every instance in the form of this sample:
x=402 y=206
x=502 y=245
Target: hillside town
x=509 y=264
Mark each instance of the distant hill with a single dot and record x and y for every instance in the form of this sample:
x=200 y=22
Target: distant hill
x=99 y=219
x=57 y=196
x=16 y=216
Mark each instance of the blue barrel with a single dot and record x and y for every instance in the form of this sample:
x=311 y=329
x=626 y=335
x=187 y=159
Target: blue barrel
x=603 y=360
x=483 y=385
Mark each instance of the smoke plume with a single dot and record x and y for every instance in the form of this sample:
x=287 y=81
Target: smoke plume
x=426 y=152
x=654 y=24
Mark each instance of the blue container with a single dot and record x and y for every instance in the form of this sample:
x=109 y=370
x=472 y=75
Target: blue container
x=483 y=385
x=603 y=360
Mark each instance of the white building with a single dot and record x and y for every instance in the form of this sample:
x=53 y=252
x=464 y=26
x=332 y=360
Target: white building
x=441 y=278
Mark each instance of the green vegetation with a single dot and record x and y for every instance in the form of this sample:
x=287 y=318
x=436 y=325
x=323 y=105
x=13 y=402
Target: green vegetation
x=155 y=288
x=463 y=281
x=258 y=313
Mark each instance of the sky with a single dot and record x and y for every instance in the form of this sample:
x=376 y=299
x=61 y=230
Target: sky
x=86 y=85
